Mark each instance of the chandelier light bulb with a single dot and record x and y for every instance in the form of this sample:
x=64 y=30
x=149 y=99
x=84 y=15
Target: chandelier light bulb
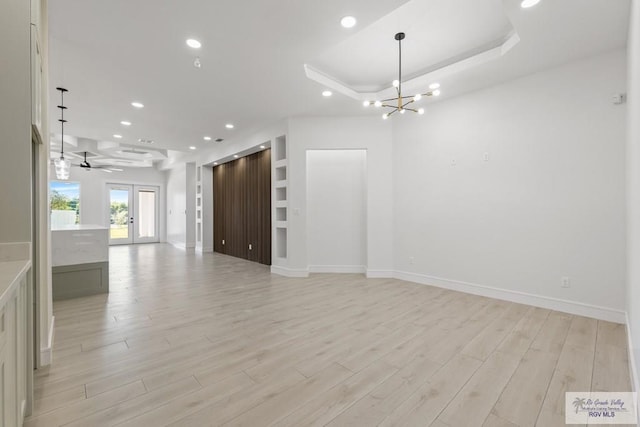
x=396 y=83
x=421 y=111
x=366 y=103
x=378 y=104
x=402 y=111
x=436 y=92
x=417 y=98
x=385 y=116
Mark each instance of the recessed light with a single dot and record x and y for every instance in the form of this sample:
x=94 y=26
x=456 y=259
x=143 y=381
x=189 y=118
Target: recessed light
x=192 y=148
x=215 y=163
x=348 y=22
x=137 y=104
x=116 y=169
x=327 y=93
x=235 y=156
x=263 y=147
x=229 y=126
x=193 y=43
x=207 y=138
x=117 y=136
x=125 y=123
x=529 y=3
x=434 y=85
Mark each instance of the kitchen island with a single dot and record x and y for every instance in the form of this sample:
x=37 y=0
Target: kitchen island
x=80 y=260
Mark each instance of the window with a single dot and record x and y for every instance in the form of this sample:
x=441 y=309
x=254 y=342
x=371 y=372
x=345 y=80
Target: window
x=64 y=199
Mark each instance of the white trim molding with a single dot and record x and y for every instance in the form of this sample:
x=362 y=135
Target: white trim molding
x=379 y=274
x=337 y=269
x=289 y=272
x=571 y=307
x=46 y=354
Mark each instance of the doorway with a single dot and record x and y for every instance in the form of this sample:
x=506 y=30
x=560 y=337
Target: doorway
x=133 y=214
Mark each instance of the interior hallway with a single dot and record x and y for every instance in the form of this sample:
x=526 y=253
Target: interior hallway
x=189 y=339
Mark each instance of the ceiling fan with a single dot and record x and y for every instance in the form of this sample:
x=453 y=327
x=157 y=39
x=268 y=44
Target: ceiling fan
x=87 y=166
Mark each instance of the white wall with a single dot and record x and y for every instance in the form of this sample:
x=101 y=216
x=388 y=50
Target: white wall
x=337 y=210
x=94 y=197
x=15 y=122
x=633 y=184
x=177 y=206
x=550 y=202
x=342 y=133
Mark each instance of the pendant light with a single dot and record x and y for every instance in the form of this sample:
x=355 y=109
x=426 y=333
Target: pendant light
x=63 y=166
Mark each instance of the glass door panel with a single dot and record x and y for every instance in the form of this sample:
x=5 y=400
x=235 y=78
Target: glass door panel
x=146 y=219
x=120 y=215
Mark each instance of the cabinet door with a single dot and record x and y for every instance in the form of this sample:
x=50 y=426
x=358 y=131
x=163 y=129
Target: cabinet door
x=259 y=207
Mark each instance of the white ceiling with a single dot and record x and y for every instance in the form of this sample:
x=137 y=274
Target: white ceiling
x=110 y=53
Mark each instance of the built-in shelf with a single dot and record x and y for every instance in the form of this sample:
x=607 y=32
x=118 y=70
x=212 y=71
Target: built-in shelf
x=281 y=173
x=281 y=188
x=281 y=194
x=281 y=242
x=281 y=148
x=281 y=214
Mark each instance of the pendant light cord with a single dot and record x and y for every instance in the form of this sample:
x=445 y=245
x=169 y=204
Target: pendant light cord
x=400 y=67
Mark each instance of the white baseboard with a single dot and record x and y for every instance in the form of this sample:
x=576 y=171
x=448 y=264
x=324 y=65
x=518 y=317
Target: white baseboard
x=571 y=307
x=337 y=269
x=179 y=245
x=202 y=250
x=46 y=354
x=289 y=272
x=379 y=274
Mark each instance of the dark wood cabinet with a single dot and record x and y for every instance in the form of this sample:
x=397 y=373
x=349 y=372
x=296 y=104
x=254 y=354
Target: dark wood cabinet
x=242 y=208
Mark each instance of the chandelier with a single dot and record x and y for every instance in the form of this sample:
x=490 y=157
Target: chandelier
x=401 y=104
x=63 y=166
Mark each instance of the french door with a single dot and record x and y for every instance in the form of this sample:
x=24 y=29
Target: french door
x=133 y=214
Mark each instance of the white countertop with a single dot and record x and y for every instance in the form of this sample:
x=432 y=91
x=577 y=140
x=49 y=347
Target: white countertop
x=77 y=227
x=10 y=274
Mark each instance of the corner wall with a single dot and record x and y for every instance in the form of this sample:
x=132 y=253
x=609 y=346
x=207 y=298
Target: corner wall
x=633 y=188
x=547 y=202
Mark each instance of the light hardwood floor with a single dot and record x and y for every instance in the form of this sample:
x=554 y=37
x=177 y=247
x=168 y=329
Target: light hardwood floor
x=199 y=340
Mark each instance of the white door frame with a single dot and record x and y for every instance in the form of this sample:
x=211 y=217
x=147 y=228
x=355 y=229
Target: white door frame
x=133 y=224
